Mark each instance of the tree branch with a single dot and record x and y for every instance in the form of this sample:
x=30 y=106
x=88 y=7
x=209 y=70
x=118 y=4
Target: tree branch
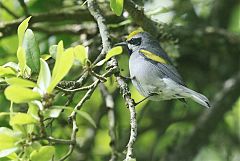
x=24 y=6
x=8 y=10
x=94 y=10
x=112 y=120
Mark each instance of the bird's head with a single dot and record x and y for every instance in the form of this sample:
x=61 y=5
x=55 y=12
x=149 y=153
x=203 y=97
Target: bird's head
x=136 y=40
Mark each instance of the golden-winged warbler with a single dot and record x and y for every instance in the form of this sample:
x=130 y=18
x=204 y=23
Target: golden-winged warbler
x=152 y=71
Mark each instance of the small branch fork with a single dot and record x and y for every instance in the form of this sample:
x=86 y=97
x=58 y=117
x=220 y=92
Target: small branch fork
x=95 y=12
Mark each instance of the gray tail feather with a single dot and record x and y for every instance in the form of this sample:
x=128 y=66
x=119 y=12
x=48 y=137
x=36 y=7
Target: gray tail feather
x=197 y=97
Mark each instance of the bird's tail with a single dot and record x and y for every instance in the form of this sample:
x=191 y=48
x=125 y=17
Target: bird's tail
x=197 y=97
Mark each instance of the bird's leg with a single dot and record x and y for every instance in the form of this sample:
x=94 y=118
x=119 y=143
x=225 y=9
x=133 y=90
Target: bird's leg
x=151 y=94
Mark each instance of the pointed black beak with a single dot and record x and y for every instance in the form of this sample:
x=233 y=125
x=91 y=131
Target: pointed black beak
x=121 y=44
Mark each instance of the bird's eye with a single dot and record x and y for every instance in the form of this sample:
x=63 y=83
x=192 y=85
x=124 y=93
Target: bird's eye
x=135 y=41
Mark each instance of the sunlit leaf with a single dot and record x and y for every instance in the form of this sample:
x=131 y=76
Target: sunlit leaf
x=6 y=152
x=111 y=53
x=33 y=111
x=8 y=138
x=21 y=55
x=58 y=58
x=44 y=153
x=44 y=77
x=21 y=30
x=53 y=113
x=53 y=51
x=12 y=156
x=63 y=64
x=11 y=65
x=19 y=94
x=22 y=119
x=83 y=114
x=32 y=51
x=20 y=82
x=117 y=6
x=6 y=71
x=45 y=56
x=81 y=54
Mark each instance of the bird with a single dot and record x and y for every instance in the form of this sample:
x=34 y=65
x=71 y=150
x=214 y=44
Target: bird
x=152 y=71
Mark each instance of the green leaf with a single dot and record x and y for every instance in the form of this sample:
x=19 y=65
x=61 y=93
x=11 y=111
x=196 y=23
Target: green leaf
x=6 y=71
x=53 y=51
x=117 y=6
x=13 y=156
x=22 y=119
x=21 y=55
x=80 y=54
x=33 y=111
x=11 y=65
x=7 y=152
x=19 y=94
x=45 y=56
x=53 y=113
x=63 y=64
x=83 y=114
x=86 y=116
x=44 y=153
x=32 y=51
x=44 y=77
x=8 y=138
x=59 y=54
x=111 y=53
x=20 y=82
x=21 y=30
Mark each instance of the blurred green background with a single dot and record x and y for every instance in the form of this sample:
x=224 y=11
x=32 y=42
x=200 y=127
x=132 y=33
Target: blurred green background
x=206 y=52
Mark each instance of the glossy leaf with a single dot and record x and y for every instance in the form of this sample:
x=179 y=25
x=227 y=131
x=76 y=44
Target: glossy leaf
x=63 y=64
x=44 y=77
x=22 y=119
x=45 y=56
x=19 y=94
x=111 y=53
x=86 y=116
x=44 y=153
x=21 y=55
x=11 y=65
x=53 y=51
x=20 y=82
x=117 y=6
x=21 y=30
x=80 y=53
x=83 y=114
x=32 y=51
x=8 y=138
x=6 y=71
x=58 y=58
x=6 y=152
x=53 y=113
x=33 y=111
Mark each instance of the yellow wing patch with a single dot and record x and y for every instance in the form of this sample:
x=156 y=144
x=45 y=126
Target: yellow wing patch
x=135 y=32
x=153 y=57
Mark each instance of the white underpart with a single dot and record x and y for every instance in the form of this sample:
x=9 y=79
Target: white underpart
x=173 y=88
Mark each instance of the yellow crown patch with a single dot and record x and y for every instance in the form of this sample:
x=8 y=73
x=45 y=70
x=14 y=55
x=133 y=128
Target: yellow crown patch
x=135 y=32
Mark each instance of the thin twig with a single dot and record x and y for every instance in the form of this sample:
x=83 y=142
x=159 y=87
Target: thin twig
x=8 y=10
x=24 y=6
x=112 y=120
x=95 y=12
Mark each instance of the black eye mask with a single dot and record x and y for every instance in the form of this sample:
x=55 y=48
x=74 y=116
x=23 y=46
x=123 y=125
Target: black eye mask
x=135 y=41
